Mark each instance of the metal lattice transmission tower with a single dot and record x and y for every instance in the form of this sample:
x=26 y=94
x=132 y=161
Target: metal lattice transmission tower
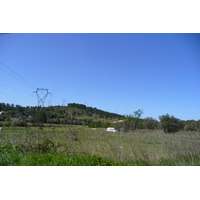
x=41 y=96
x=63 y=102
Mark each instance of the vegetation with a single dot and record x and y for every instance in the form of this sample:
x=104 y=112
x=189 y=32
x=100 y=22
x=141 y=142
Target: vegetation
x=73 y=114
x=13 y=155
x=170 y=124
x=86 y=147
x=79 y=114
x=76 y=135
x=131 y=122
x=150 y=123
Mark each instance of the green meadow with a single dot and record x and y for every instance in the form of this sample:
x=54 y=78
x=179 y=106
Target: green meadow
x=83 y=146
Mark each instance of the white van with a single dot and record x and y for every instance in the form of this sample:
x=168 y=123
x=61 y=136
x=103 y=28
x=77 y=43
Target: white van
x=111 y=129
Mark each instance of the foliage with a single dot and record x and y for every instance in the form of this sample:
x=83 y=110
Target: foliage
x=7 y=123
x=74 y=114
x=76 y=146
x=131 y=122
x=41 y=117
x=150 y=123
x=12 y=155
x=170 y=124
x=89 y=111
x=100 y=124
x=138 y=113
x=190 y=125
x=75 y=105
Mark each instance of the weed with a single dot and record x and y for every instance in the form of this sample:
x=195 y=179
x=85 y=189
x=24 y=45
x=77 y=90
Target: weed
x=77 y=147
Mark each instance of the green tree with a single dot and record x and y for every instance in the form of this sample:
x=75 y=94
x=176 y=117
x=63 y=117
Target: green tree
x=150 y=123
x=133 y=121
x=41 y=117
x=138 y=113
x=170 y=124
x=191 y=125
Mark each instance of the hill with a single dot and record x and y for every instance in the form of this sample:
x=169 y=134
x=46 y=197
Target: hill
x=76 y=114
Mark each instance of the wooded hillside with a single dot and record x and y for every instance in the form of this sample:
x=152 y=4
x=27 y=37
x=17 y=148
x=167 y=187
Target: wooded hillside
x=76 y=114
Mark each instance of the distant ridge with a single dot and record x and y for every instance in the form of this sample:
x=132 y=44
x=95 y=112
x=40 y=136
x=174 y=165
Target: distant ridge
x=74 y=113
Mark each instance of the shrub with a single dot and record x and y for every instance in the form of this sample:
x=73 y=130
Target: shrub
x=7 y=123
x=150 y=123
x=130 y=124
x=190 y=125
x=170 y=124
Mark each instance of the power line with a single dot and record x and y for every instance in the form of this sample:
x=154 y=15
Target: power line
x=41 y=98
x=14 y=88
x=49 y=102
x=12 y=75
x=16 y=74
x=17 y=60
x=14 y=98
x=56 y=101
x=11 y=96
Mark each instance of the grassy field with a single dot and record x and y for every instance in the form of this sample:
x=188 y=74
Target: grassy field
x=80 y=145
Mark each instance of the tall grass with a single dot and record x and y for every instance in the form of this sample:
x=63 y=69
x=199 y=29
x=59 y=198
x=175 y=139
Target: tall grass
x=78 y=146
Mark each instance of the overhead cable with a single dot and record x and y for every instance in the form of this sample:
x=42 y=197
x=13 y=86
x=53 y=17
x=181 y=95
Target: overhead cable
x=11 y=96
x=13 y=88
x=17 y=59
x=27 y=82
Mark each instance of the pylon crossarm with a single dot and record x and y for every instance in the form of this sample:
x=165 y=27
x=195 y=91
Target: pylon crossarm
x=41 y=100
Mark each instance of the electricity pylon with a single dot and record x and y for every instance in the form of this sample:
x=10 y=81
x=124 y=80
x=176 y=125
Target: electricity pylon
x=49 y=102
x=63 y=102
x=40 y=96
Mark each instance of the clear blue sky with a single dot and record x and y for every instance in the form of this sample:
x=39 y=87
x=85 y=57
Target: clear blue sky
x=120 y=73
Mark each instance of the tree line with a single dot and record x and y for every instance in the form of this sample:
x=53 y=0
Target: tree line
x=89 y=111
x=74 y=114
x=169 y=124
x=79 y=114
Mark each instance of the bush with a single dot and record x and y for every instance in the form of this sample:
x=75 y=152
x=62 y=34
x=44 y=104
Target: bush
x=13 y=155
x=119 y=127
x=190 y=125
x=130 y=124
x=170 y=124
x=150 y=123
x=100 y=124
x=7 y=123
